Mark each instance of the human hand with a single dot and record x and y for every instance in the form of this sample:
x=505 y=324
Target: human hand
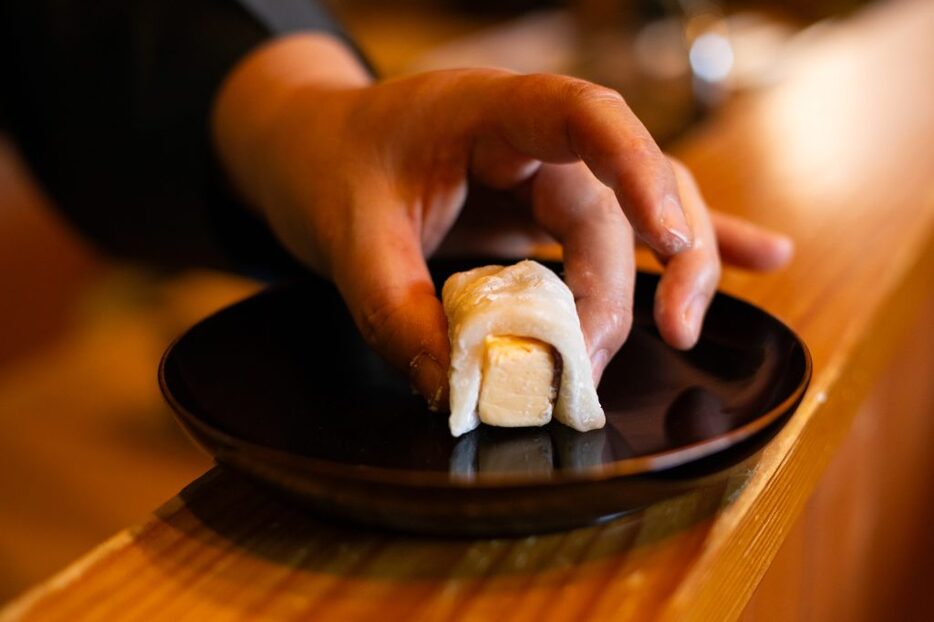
x=363 y=181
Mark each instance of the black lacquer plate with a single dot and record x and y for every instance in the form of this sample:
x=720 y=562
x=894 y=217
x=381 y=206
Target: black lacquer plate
x=281 y=388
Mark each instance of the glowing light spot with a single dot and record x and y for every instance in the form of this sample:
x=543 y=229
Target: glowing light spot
x=711 y=57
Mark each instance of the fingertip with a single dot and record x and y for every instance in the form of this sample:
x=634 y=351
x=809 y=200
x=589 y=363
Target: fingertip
x=405 y=324
x=751 y=247
x=773 y=251
x=680 y=325
x=677 y=334
x=782 y=251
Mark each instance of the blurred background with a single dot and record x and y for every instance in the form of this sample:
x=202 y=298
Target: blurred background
x=88 y=447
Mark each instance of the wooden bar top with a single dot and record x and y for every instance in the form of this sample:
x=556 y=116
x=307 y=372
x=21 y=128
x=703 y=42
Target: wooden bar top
x=839 y=154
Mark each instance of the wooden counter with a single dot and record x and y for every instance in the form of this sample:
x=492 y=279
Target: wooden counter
x=840 y=154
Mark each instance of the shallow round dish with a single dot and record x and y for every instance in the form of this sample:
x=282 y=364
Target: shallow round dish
x=281 y=388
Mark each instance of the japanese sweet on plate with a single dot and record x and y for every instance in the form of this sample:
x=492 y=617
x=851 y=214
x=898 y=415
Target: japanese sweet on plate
x=517 y=350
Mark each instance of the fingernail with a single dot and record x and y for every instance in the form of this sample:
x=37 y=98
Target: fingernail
x=429 y=378
x=677 y=233
x=694 y=315
x=598 y=362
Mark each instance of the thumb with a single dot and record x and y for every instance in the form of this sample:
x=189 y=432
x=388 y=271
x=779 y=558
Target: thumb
x=384 y=281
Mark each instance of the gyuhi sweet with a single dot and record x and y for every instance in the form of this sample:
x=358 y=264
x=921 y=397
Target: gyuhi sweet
x=517 y=350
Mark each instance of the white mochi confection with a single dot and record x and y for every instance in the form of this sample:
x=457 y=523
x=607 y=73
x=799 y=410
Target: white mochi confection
x=517 y=350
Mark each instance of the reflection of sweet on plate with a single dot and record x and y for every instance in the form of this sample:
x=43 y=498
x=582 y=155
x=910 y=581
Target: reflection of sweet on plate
x=517 y=350
x=526 y=451
x=582 y=451
x=490 y=451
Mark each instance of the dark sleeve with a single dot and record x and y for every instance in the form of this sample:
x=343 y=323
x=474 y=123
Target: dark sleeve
x=109 y=102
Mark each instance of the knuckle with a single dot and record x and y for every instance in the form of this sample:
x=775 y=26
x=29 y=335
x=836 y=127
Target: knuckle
x=487 y=74
x=588 y=92
x=606 y=205
x=539 y=85
x=594 y=205
x=602 y=210
x=573 y=91
x=642 y=146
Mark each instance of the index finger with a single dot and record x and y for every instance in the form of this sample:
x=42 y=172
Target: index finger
x=382 y=276
x=559 y=119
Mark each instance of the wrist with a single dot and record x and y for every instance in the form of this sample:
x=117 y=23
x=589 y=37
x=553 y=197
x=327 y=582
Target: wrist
x=249 y=103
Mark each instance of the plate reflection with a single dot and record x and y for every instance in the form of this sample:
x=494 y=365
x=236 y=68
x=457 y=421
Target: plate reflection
x=535 y=451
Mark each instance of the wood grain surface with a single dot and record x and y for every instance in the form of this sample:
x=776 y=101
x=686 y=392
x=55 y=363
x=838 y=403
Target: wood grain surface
x=840 y=154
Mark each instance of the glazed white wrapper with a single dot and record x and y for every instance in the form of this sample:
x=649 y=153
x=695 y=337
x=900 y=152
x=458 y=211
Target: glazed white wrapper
x=523 y=300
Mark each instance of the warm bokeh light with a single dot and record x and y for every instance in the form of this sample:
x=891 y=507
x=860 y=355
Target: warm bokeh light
x=88 y=445
x=711 y=57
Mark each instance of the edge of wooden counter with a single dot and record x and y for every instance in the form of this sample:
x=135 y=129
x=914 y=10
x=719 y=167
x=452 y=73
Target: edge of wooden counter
x=719 y=584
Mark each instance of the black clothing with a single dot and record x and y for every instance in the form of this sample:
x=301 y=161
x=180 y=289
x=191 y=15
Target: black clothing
x=109 y=102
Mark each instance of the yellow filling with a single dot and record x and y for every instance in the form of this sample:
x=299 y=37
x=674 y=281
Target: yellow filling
x=519 y=382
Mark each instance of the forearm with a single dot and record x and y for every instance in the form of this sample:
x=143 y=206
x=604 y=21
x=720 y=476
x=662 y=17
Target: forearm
x=250 y=100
